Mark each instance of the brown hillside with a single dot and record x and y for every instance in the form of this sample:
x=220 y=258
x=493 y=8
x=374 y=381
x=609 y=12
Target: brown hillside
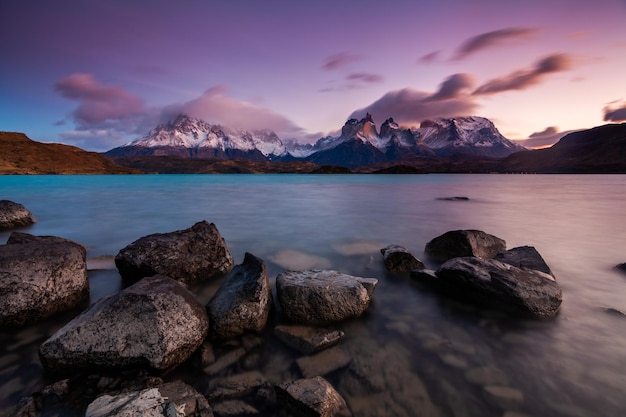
x=21 y=155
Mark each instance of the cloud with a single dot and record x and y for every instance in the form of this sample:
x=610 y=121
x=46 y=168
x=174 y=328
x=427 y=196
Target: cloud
x=522 y=79
x=410 y=107
x=454 y=87
x=429 y=58
x=615 y=111
x=365 y=77
x=547 y=137
x=99 y=105
x=215 y=106
x=493 y=38
x=99 y=140
x=340 y=60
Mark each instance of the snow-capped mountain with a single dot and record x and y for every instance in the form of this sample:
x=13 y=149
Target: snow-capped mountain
x=190 y=137
x=358 y=144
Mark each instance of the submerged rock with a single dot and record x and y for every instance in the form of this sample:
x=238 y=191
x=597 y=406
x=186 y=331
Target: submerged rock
x=324 y=362
x=322 y=297
x=243 y=301
x=460 y=243
x=40 y=276
x=307 y=339
x=310 y=397
x=525 y=290
x=155 y=324
x=188 y=256
x=168 y=400
x=524 y=257
x=14 y=215
x=398 y=259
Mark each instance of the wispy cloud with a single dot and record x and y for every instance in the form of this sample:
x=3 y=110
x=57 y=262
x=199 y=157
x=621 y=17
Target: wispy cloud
x=491 y=39
x=410 y=107
x=524 y=78
x=615 y=111
x=340 y=60
x=365 y=77
x=429 y=58
x=547 y=137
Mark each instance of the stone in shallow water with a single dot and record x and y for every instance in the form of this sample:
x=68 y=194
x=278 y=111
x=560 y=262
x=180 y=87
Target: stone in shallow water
x=323 y=297
x=234 y=408
x=14 y=215
x=310 y=397
x=460 y=243
x=237 y=385
x=307 y=339
x=324 y=362
x=524 y=257
x=398 y=259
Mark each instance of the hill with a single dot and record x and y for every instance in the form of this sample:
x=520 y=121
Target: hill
x=21 y=155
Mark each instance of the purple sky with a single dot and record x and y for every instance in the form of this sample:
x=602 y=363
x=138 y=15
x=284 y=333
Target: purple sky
x=98 y=74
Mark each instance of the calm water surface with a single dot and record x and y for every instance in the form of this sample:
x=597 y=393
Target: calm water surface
x=464 y=361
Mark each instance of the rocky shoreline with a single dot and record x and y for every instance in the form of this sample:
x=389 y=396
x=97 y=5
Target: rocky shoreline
x=122 y=355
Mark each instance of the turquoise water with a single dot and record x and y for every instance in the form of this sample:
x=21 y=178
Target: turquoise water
x=572 y=365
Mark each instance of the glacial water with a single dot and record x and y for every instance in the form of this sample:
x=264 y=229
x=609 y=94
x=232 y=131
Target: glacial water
x=429 y=355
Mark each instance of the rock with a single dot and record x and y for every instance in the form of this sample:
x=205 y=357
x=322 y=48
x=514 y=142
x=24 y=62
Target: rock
x=621 y=267
x=225 y=361
x=460 y=243
x=14 y=215
x=173 y=399
x=234 y=408
x=310 y=397
x=40 y=277
x=426 y=276
x=398 y=259
x=524 y=257
x=524 y=290
x=323 y=363
x=455 y=198
x=155 y=324
x=243 y=301
x=188 y=256
x=323 y=297
x=237 y=386
x=307 y=339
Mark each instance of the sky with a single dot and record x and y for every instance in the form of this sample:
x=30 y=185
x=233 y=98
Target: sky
x=100 y=73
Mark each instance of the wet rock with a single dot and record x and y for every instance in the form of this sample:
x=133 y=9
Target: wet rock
x=398 y=259
x=243 y=301
x=155 y=324
x=527 y=291
x=310 y=397
x=524 y=257
x=323 y=363
x=188 y=256
x=455 y=198
x=167 y=400
x=460 y=243
x=307 y=339
x=621 y=267
x=13 y=215
x=40 y=276
x=225 y=361
x=323 y=297
x=426 y=276
x=237 y=386
x=234 y=408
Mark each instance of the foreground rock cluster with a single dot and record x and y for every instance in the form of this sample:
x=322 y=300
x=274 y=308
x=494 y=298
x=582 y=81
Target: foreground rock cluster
x=132 y=341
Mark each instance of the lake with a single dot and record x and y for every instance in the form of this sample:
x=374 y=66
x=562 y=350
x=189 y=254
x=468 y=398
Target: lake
x=433 y=355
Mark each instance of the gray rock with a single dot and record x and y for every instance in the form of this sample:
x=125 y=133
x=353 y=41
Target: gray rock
x=39 y=278
x=155 y=324
x=323 y=297
x=398 y=259
x=313 y=397
x=14 y=215
x=237 y=386
x=524 y=257
x=426 y=276
x=323 y=363
x=173 y=399
x=188 y=256
x=243 y=301
x=525 y=290
x=460 y=243
x=307 y=339
x=234 y=408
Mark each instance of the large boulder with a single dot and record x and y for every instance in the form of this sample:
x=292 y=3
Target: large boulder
x=323 y=297
x=525 y=290
x=243 y=302
x=14 y=215
x=312 y=397
x=398 y=259
x=155 y=324
x=524 y=257
x=40 y=276
x=188 y=256
x=460 y=243
x=171 y=399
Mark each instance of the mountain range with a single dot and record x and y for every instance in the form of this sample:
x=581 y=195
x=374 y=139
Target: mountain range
x=359 y=144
